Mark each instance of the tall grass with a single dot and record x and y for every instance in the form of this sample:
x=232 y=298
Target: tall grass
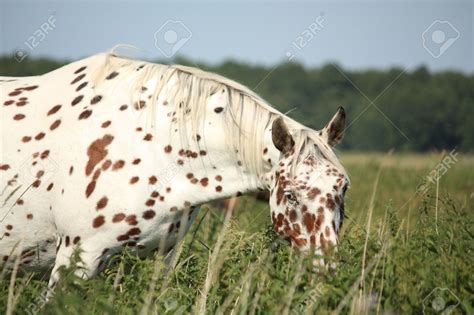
x=391 y=259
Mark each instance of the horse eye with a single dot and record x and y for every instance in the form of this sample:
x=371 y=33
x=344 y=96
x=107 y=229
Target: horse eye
x=290 y=195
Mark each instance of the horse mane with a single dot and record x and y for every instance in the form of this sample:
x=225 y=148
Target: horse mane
x=247 y=115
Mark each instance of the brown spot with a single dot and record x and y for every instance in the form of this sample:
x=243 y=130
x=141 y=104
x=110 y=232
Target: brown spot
x=54 y=110
x=134 y=179
x=76 y=240
x=36 y=183
x=293 y=215
x=152 y=180
x=131 y=219
x=218 y=109
x=330 y=204
x=90 y=188
x=15 y=93
x=173 y=209
x=308 y=221
x=9 y=102
x=80 y=70
x=118 y=217
x=40 y=136
x=20 y=202
x=123 y=107
x=148 y=137
x=218 y=188
x=326 y=231
x=97 y=152
x=19 y=117
x=85 y=114
x=105 y=166
x=30 y=88
x=150 y=202
x=319 y=221
x=168 y=149
x=136 y=162
x=100 y=220
x=29 y=216
x=313 y=193
x=4 y=167
x=139 y=105
x=134 y=231
x=81 y=86
x=102 y=203
x=9 y=227
x=78 y=78
x=50 y=186
x=21 y=103
x=219 y=178
x=96 y=99
x=204 y=181
x=118 y=165
x=77 y=100
x=105 y=124
x=55 y=125
x=149 y=214
x=112 y=75
x=122 y=237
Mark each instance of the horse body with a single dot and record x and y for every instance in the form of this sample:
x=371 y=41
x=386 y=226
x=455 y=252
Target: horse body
x=107 y=152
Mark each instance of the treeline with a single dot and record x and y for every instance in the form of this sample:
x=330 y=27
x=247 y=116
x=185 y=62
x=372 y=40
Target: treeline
x=411 y=111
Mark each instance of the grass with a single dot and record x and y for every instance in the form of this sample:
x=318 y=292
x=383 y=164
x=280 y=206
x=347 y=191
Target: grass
x=399 y=252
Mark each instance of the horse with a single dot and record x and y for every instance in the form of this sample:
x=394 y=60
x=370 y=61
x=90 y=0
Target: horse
x=110 y=152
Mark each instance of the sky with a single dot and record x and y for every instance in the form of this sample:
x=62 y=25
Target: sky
x=354 y=34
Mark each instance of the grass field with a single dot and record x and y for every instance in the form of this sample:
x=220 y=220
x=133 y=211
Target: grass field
x=407 y=246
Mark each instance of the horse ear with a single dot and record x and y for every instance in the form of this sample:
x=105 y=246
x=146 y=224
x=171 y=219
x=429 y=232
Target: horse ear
x=334 y=130
x=281 y=136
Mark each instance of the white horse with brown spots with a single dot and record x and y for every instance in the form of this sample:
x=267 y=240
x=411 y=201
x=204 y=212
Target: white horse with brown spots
x=108 y=152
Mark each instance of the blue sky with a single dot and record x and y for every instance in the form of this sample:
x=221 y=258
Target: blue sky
x=355 y=34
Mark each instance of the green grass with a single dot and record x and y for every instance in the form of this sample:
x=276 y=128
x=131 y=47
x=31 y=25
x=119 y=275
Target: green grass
x=408 y=255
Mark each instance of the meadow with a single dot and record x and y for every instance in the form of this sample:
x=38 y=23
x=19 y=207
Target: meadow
x=407 y=246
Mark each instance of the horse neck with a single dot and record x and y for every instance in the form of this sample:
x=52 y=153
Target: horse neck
x=203 y=165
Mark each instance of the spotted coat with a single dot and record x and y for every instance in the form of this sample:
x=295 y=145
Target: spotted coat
x=80 y=167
